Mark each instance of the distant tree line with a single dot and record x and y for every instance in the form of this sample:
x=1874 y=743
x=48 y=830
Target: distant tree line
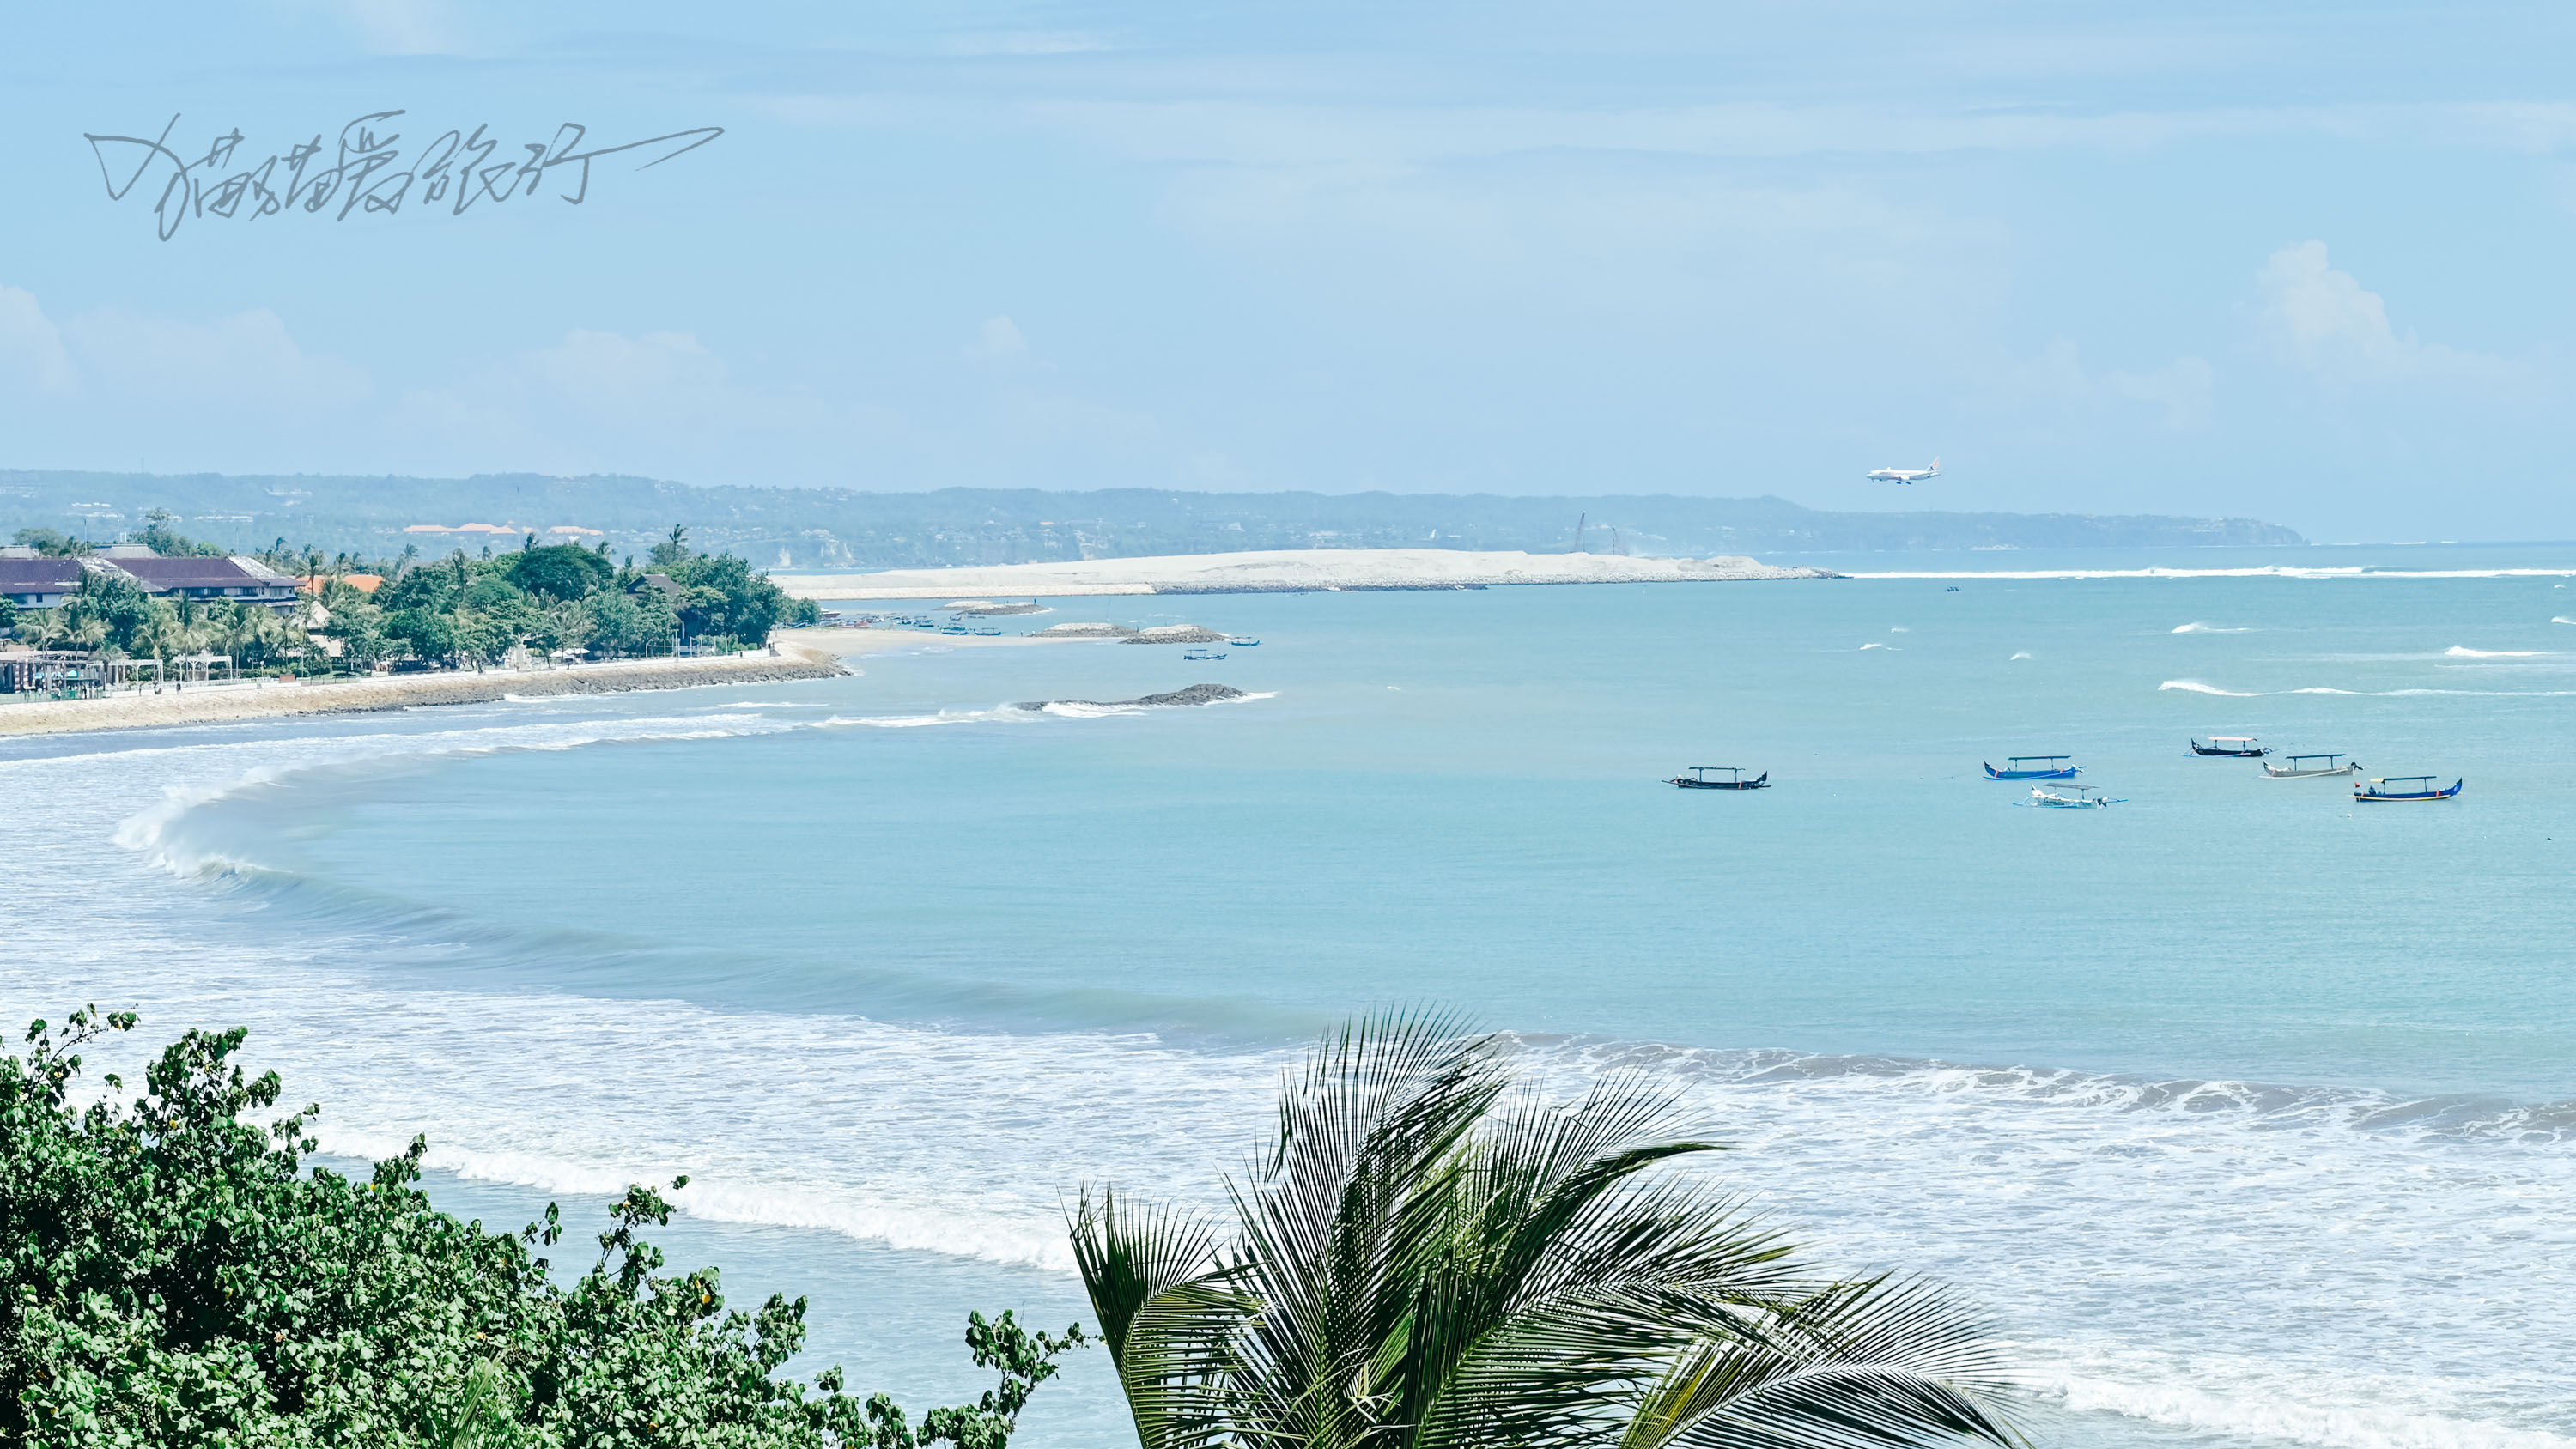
x=857 y=528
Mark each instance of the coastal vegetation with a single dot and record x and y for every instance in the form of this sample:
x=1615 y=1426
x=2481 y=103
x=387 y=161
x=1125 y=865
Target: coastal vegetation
x=174 y=1273
x=1429 y=1254
x=453 y=612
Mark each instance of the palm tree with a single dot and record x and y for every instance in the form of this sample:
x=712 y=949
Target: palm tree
x=1431 y=1258
x=51 y=631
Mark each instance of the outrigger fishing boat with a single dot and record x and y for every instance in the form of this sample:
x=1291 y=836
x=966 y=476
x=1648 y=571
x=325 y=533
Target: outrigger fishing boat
x=2423 y=788
x=2069 y=797
x=1698 y=779
x=2298 y=767
x=1242 y=643
x=1201 y=654
x=2034 y=767
x=2231 y=747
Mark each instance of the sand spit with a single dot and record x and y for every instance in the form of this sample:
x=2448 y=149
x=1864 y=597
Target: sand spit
x=1284 y=571
x=225 y=704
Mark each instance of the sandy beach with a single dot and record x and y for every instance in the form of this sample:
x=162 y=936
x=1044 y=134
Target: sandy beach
x=220 y=704
x=795 y=654
x=1283 y=571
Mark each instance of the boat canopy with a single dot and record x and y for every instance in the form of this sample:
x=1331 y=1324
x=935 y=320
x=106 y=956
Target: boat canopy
x=2402 y=779
x=2337 y=755
x=2017 y=759
x=2231 y=739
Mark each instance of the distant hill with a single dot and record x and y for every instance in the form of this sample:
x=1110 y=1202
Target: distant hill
x=844 y=528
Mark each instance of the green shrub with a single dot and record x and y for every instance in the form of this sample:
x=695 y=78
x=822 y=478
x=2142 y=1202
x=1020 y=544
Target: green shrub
x=171 y=1275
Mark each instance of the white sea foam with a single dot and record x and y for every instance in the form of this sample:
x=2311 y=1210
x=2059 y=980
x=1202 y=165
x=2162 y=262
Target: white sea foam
x=2276 y=571
x=2022 y=654
x=2194 y=686
x=1875 y=646
x=918 y=721
x=2200 y=628
x=2461 y=651
x=2289 y=1413
x=2561 y=619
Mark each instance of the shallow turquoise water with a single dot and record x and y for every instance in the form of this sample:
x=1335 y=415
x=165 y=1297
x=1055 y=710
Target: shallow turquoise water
x=2196 y=1090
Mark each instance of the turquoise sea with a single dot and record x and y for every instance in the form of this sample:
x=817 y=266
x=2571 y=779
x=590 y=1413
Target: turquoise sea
x=2249 y=1112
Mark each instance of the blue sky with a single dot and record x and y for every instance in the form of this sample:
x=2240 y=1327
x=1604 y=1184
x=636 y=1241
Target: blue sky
x=2307 y=263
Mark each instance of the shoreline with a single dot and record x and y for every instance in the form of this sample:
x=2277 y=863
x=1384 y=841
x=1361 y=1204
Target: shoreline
x=794 y=655
x=226 y=704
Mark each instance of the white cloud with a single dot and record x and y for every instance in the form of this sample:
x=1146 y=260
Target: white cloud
x=2059 y=382
x=2181 y=387
x=999 y=342
x=399 y=27
x=32 y=356
x=659 y=403
x=243 y=363
x=2325 y=321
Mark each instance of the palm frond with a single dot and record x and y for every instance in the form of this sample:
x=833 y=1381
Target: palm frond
x=1869 y=1365
x=1167 y=1309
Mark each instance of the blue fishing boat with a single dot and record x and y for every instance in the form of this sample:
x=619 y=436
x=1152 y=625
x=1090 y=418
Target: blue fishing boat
x=2229 y=747
x=1201 y=654
x=1242 y=643
x=2034 y=767
x=2406 y=787
x=1698 y=779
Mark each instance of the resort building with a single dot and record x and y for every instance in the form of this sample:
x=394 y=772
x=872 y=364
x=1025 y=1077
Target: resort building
x=32 y=582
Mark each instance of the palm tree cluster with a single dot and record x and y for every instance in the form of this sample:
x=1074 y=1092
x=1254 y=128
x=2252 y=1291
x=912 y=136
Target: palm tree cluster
x=1430 y=1254
x=247 y=633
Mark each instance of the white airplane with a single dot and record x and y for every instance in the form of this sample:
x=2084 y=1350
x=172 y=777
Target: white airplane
x=1906 y=475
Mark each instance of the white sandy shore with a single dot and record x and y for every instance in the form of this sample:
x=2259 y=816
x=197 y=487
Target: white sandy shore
x=1282 y=571
x=797 y=654
x=225 y=703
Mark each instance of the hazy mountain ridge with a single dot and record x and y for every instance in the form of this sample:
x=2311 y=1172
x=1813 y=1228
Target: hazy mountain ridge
x=848 y=528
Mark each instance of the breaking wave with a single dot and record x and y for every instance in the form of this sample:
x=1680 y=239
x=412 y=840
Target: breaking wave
x=2194 y=686
x=2462 y=651
x=2274 y=571
x=2200 y=628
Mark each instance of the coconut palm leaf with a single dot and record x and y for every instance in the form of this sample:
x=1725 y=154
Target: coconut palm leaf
x=1853 y=1366
x=1166 y=1311
x=1426 y=1258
